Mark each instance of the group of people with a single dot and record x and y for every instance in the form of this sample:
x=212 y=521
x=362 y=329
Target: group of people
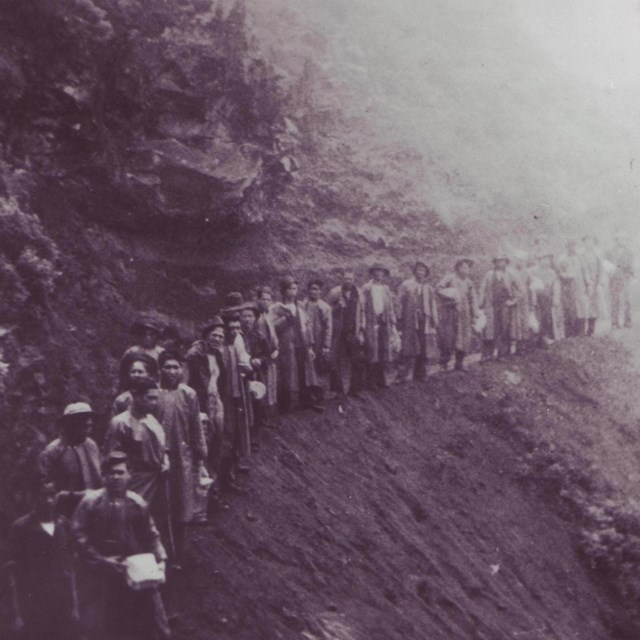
x=186 y=421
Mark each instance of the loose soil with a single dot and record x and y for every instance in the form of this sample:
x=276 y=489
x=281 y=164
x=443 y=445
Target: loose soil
x=422 y=511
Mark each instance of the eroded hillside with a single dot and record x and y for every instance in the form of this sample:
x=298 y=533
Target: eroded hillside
x=492 y=504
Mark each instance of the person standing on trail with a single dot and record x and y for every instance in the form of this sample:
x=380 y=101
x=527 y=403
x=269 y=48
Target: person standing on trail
x=521 y=320
x=179 y=414
x=296 y=370
x=498 y=297
x=417 y=323
x=258 y=349
x=569 y=272
x=590 y=274
x=40 y=572
x=321 y=324
x=137 y=433
x=206 y=377
x=348 y=336
x=146 y=335
x=458 y=312
x=266 y=326
x=72 y=461
x=380 y=327
x=135 y=366
x=111 y=525
x=548 y=300
x=621 y=256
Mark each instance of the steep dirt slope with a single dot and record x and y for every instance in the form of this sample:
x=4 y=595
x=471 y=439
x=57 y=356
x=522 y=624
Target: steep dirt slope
x=445 y=510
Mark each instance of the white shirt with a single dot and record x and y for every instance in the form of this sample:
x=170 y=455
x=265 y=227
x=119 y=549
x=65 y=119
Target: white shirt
x=377 y=296
x=48 y=527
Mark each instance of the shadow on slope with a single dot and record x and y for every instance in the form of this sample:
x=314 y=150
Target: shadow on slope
x=456 y=508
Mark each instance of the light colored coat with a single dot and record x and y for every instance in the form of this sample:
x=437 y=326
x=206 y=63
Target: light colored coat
x=378 y=343
x=179 y=414
x=587 y=285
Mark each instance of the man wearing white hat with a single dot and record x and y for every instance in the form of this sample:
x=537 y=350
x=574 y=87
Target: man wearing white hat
x=72 y=461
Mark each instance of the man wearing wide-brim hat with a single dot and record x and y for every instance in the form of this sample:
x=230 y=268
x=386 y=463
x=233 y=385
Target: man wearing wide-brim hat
x=588 y=286
x=321 y=324
x=499 y=294
x=296 y=370
x=547 y=299
x=72 y=460
x=146 y=331
x=418 y=323
x=380 y=327
x=458 y=311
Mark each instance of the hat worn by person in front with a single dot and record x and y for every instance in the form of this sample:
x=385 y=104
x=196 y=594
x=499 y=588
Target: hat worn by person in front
x=464 y=260
x=250 y=306
x=144 y=323
x=75 y=409
x=419 y=264
x=379 y=267
x=215 y=323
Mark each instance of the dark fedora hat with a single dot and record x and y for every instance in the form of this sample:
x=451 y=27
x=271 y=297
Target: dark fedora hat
x=377 y=266
x=146 y=322
x=250 y=306
x=286 y=282
x=464 y=260
x=209 y=325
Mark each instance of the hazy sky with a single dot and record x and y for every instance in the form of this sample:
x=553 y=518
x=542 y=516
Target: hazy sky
x=519 y=105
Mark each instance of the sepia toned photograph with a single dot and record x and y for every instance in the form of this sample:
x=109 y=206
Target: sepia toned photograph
x=319 y=320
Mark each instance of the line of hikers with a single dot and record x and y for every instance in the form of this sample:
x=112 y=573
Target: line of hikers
x=108 y=522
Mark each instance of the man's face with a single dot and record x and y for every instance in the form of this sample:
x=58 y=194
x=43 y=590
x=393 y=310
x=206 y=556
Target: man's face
x=234 y=328
x=247 y=319
x=148 y=402
x=500 y=265
x=421 y=273
x=78 y=428
x=348 y=279
x=172 y=372
x=314 y=292
x=117 y=478
x=464 y=269
x=215 y=338
x=378 y=275
x=149 y=338
x=291 y=293
x=265 y=301
x=138 y=370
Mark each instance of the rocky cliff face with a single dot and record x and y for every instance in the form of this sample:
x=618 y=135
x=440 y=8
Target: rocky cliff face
x=153 y=156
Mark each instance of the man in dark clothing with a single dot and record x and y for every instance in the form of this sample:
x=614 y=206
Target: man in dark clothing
x=215 y=375
x=72 y=461
x=40 y=571
x=347 y=344
x=110 y=525
x=258 y=348
x=498 y=297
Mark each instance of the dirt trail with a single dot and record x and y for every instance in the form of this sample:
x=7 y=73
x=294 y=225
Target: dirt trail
x=414 y=515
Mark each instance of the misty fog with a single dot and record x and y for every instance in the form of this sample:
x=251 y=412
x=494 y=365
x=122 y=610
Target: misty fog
x=518 y=109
